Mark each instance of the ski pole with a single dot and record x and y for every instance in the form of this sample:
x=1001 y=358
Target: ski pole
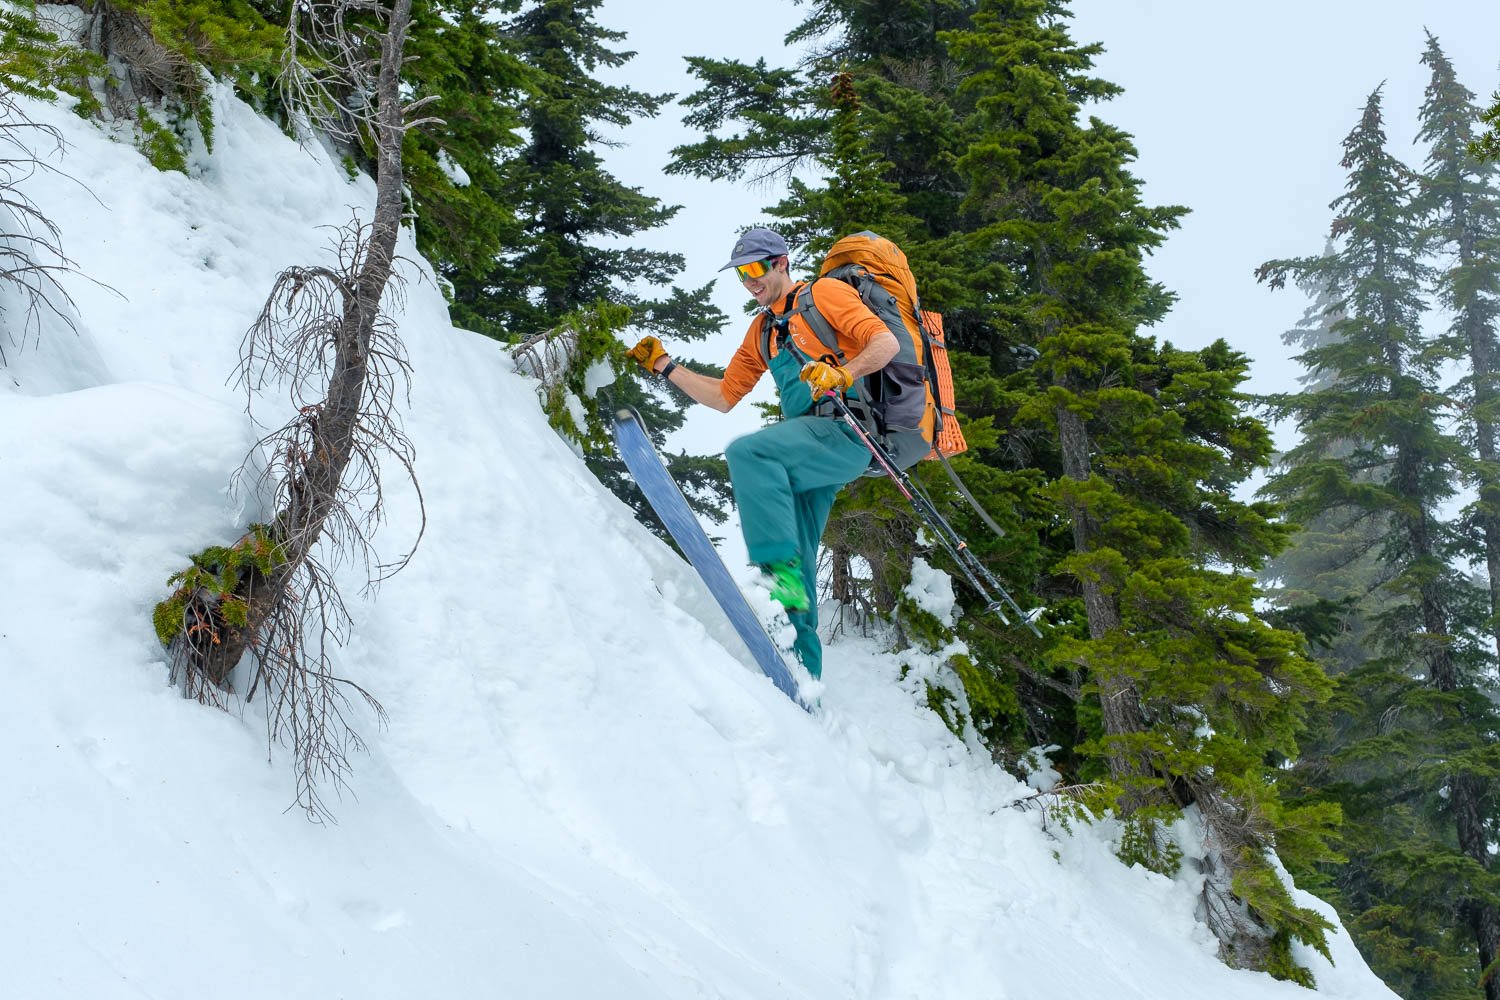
x=956 y=547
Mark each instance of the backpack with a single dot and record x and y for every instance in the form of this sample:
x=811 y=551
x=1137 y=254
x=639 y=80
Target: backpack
x=908 y=406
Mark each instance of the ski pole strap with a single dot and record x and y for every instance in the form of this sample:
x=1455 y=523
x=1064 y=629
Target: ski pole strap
x=958 y=484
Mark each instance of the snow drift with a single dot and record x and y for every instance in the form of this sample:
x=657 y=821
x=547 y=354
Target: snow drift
x=584 y=789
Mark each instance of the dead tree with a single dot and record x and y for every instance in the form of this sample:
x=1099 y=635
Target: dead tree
x=141 y=70
x=31 y=255
x=272 y=595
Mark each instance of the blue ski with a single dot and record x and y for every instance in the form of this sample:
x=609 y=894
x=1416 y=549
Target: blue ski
x=667 y=500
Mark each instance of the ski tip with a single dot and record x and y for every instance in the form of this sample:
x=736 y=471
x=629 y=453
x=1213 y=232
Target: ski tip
x=624 y=414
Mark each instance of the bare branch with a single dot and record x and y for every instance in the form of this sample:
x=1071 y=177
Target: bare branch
x=31 y=255
x=332 y=63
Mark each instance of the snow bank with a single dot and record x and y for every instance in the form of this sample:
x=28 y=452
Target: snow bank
x=584 y=789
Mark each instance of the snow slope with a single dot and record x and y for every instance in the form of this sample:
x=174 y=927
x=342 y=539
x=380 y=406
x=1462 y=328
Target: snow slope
x=583 y=789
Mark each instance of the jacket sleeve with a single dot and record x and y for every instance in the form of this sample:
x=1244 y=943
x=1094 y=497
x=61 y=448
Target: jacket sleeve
x=850 y=318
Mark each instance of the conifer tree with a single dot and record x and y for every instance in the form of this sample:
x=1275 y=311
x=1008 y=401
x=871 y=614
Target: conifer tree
x=870 y=115
x=1330 y=569
x=557 y=182
x=1027 y=226
x=567 y=256
x=763 y=124
x=1148 y=442
x=1460 y=198
x=857 y=195
x=461 y=56
x=1411 y=732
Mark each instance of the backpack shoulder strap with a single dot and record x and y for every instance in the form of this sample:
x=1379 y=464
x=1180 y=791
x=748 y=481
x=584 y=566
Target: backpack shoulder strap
x=802 y=305
x=767 y=324
x=860 y=391
x=820 y=326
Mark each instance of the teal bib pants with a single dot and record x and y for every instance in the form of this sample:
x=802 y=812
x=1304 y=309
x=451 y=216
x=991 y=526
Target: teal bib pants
x=785 y=478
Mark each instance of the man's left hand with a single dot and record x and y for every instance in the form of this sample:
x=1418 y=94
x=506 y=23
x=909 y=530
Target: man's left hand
x=822 y=378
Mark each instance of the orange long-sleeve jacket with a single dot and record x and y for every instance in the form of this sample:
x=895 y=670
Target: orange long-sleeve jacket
x=837 y=301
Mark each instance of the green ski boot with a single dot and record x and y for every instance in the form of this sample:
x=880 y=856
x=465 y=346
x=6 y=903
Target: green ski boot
x=787 y=587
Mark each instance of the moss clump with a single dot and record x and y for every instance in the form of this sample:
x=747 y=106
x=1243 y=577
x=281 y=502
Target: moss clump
x=208 y=591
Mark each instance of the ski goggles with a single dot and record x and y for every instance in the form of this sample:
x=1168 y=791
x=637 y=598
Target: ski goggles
x=754 y=269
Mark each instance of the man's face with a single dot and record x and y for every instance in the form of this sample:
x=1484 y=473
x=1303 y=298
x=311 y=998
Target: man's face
x=769 y=287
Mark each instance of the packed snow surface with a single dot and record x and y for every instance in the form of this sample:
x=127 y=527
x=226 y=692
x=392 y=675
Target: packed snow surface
x=584 y=788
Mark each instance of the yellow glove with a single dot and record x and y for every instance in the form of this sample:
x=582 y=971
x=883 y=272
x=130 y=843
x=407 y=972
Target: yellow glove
x=821 y=378
x=647 y=353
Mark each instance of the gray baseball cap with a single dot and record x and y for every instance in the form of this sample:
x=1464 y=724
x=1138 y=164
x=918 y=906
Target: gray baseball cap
x=756 y=244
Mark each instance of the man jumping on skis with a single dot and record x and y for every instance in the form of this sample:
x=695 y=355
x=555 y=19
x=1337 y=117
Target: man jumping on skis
x=785 y=476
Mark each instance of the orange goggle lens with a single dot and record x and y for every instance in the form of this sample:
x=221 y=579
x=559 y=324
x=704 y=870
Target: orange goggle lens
x=754 y=269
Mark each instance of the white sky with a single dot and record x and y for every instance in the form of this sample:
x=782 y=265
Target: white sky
x=1240 y=115
x=1238 y=112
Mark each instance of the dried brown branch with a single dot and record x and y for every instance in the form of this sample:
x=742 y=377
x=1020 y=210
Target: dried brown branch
x=1053 y=797
x=143 y=70
x=295 y=342
x=31 y=254
x=337 y=88
x=1233 y=840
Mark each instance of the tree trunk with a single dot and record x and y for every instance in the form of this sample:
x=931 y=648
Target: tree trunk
x=1119 y=699
x=1483 y=362
x=1465 y=791
x=314 y=493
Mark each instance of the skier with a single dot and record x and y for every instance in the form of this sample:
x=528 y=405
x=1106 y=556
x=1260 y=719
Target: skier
x=785 y=476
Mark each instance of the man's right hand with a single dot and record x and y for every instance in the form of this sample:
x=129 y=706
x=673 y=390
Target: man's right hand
x=823 y=378
x=647 y=353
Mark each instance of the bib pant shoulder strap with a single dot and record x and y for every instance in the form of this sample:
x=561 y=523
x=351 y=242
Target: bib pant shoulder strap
x=801 y=303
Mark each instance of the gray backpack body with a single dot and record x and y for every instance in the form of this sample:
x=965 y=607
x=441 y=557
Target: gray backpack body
x=890 y=403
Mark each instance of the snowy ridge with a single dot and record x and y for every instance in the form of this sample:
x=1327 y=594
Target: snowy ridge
x=583 y=791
